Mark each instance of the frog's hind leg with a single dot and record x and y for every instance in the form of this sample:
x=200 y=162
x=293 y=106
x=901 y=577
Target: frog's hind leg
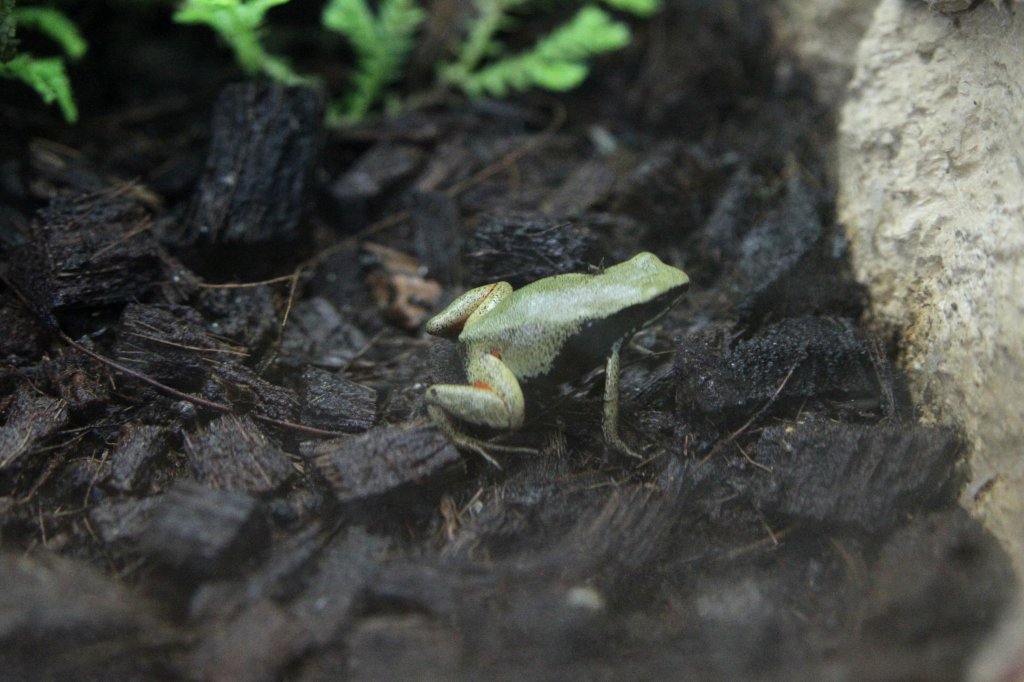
x=458 y=439
x=466 y=442
x=610 y=423
x=470 y=306
x=493 y=399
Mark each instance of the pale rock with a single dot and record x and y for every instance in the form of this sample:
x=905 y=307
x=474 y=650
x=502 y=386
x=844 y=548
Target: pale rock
x=931 y=191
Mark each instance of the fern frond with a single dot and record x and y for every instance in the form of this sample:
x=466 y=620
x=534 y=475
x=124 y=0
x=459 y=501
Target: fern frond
x=48 y=77
x=382 y=43
x=556 y=62
x=55 y=26
x=239 y=23
x=491 y=17
x=640 y=8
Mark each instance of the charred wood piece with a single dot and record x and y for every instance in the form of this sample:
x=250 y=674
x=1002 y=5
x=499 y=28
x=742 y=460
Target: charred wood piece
x=381 y=460
x=205 y=532
x=332 y=402
x=231 y=453
x=264 y=142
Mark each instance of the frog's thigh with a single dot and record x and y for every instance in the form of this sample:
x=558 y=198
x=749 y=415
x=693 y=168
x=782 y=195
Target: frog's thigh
x=493 y=399
x=489 y=373
x=473 y=304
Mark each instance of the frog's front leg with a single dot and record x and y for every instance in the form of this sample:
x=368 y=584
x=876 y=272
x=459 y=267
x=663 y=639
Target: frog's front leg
x=468 y=307
x=610 y=423
x=493 y=398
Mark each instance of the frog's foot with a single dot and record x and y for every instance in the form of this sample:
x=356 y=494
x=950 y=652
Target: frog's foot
x=616 y=442
x=481 y=447
x=466 y=442
x=473 y=404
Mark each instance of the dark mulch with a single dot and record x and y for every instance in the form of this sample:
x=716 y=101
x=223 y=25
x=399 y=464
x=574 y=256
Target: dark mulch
x=214 y=456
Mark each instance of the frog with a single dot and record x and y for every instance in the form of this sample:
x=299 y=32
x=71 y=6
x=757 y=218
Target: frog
x=546 y=333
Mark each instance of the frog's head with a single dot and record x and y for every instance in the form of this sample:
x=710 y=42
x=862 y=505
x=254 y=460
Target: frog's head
x=648 y=276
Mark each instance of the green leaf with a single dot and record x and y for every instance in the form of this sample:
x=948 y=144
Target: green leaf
x=640 y=8
x=592 y=31
x=46 y=76
x=238 y=23
x=382 y=43
x=559 y=75
x=556 y=62
x=56 y=26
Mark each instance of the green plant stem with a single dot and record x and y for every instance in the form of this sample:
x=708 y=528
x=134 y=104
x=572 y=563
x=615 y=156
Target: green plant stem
x=492 y=12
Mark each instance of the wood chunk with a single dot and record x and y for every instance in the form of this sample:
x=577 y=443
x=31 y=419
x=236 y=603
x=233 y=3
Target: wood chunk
x=319 y=334
x=264 y=142
x=231 y=453
x=32 y=419
x=378 y=170
x=667 y=188
x=588 y=184
x=245 y=316
x=136 y=448
x=808 y=357
x=242 y=387
x=123 y=521
x=335 y=589
x=84 y=389
x=940 y=585
x=771 y=249
x=436 y=233
x=87 y=251
x=381 y=460
x=205 y=532
x=254 y=645
x=22 y=336
x=785 y=258
x=171 y=344
x=332 y=402
x=59 y=619
x=871 y=477
x=735 y=208
x=280 y=578
x=402 y=647
x=522 y=247
x=944 y=553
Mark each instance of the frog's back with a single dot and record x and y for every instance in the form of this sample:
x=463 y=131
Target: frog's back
x=565 y=324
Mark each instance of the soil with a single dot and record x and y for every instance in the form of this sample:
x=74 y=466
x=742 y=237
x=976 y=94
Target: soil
x=215 y=462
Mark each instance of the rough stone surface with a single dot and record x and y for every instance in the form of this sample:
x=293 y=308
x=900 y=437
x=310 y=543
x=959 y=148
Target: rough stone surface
x=931 y=190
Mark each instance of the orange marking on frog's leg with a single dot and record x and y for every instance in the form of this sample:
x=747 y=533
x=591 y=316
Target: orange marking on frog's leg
x=487 y=369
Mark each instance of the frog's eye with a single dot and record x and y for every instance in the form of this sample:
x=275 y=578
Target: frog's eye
x=646 y=261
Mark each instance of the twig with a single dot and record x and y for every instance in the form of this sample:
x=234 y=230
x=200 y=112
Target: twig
x=247 y=285
x=194 y=399
x=291 y=299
